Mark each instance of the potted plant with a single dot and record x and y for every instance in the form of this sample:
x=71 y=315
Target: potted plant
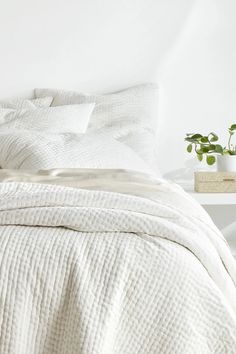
x=208 y=146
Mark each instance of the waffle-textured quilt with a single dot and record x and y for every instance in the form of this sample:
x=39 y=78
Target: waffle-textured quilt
x=121 y=264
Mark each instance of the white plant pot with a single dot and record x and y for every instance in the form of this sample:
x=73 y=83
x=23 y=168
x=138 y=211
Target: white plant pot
x=226 y=163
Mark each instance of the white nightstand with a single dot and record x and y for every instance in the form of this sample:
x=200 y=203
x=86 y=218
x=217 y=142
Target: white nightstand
x=214 y=198
x=222 y=209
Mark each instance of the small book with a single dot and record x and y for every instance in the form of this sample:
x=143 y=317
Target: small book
x=215 y=182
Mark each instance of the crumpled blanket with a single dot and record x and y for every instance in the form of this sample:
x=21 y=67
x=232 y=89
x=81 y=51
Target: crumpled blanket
x=120 y=263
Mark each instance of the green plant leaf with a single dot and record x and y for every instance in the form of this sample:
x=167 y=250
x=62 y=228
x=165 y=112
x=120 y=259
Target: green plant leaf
x=203 y=150
x=232 y=153
x=233 y=127
x=213 y=137
x=190 y=148
x=200 y=157
x=211 y=147
x=210 y=159
x=196 y=136
x=190 y=140
x=204 y=139
x=219 y=149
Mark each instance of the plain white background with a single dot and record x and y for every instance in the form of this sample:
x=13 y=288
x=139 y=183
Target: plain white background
x=102 y=45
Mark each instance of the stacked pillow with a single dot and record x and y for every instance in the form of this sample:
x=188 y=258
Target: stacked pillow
x=69 y=119
x=129 y=116
x=120 y=134
x=30 y=132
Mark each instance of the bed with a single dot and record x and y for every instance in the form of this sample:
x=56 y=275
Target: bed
x=98 y=253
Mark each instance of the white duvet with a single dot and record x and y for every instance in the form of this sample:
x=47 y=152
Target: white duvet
x=121 y=263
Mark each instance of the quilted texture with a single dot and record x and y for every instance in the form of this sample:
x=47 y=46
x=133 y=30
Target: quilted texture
x=36 y=150
x=86 y=271
x=129 y=116
x=71 y=118
x=20 y=103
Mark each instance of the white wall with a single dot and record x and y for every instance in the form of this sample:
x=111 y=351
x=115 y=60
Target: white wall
x=198 y=80
x=101 y=45
x=87 y=44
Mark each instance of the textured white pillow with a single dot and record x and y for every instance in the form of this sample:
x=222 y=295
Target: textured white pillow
x=34 y=150
x=71 y=118
x=20 y=103
x=129 y=116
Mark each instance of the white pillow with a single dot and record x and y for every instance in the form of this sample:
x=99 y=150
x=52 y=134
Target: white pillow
x=72 y=118
x=33 y=150
x=20 y=103
x=129 y=116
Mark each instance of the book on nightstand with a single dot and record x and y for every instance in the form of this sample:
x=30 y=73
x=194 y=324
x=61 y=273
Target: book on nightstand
x=215 y=182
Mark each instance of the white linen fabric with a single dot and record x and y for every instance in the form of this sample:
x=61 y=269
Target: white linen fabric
x=71 y=118
x=90 y=271
x=20 y=103
x=39 y=150
x=129 y=116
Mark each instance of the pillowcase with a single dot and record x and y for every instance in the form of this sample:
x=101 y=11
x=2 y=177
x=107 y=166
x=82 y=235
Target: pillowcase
x=73 y=118
x=20 y=103
x=34 y=150
x=130 y=116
